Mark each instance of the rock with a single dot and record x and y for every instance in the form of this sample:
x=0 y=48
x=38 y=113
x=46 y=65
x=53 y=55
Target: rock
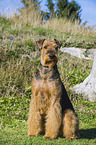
x=88 y=86
x=78 y=52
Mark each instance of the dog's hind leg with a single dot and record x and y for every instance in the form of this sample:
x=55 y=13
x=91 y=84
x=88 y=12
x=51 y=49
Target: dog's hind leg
x=70 y=125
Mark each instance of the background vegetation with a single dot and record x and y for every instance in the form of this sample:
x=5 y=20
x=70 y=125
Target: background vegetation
x=19 y=58
x=59 y=9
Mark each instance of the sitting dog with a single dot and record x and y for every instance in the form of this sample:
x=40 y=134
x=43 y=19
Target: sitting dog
x=51 y=111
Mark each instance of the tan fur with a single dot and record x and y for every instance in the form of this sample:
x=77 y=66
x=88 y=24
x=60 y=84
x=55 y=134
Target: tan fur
x=70 y=125
x=48 y=114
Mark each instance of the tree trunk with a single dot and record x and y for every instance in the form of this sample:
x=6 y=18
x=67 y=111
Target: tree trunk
x=88 y=86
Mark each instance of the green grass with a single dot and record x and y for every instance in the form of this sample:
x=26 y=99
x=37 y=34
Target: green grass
x=16 y=133
x=19 y=59
x=14 y=123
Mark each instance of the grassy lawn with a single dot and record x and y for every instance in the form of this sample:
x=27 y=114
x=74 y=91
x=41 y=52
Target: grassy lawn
x=19 y=58
x=14 y=131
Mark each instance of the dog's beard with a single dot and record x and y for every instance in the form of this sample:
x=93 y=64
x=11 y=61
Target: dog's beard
x=49 y=62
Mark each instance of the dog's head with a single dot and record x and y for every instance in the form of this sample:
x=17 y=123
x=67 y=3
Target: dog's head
x=49 y=51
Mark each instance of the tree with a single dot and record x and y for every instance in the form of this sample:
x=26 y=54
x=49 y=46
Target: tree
x=62 y=8
x=27 y=3
x=74 y=11
x=50 y=6
x=70 y=10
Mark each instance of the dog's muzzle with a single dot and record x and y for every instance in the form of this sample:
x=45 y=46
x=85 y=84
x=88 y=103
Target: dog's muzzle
x=51 y=56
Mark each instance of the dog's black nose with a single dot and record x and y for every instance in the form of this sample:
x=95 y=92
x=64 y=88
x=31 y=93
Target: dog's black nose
x=51 y=56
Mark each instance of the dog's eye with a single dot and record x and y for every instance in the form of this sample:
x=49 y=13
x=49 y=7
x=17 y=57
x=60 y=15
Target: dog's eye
x=45 y=47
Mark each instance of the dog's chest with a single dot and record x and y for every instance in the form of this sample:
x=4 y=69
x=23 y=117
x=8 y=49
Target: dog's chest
x=42 y=95
x=44 y=92
x=46 y=88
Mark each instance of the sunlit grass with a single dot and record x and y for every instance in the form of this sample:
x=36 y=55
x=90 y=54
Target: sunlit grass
x=66 y=26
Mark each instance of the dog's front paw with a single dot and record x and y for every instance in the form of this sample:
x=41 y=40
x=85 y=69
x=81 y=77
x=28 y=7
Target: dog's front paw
x=49 y=136
x=33 y=133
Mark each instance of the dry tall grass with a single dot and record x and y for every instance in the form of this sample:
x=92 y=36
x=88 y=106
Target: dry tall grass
x=32 y=16
x=66 y=26
x=29 y=16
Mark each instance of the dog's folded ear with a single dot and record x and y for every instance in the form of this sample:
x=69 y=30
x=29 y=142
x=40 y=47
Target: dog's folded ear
x=39 y=43
x=59 y=43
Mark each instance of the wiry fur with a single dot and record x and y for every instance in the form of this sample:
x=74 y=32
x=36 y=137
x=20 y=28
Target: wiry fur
x=51 y=111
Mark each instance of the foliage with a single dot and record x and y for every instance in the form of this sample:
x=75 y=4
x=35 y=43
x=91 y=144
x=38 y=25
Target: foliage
x=28 y=2
x=70 y=10
x=50 y=6
x=64 y=9
x=62 y=4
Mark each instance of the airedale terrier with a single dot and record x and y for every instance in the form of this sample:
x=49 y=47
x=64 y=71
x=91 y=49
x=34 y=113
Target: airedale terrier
x=51 y=111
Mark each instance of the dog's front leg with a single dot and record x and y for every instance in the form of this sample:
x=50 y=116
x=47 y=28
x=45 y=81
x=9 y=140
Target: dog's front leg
x=34 y=120
x=53 y=121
